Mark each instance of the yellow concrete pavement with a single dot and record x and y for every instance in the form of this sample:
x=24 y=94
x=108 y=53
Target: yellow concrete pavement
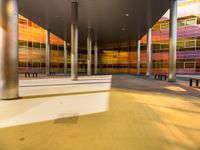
x=143 y=114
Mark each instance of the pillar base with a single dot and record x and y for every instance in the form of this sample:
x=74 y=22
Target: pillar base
x=74 y=79
x=171 y=81
x=10 y=99
x=148 y=75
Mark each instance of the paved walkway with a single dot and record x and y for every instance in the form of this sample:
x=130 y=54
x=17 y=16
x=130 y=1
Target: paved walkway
x=136 y=114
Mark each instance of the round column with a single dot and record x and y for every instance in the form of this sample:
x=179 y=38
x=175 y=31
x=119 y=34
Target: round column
x=74 y=41
x=172 y=40
x=9 y=82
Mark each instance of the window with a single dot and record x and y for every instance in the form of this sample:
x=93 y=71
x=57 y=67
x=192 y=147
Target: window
x=156 y=27
x=180 y=65
x=180 y=44
x=54 y=47
x=30 y=44
x=198 y=43
x=164 y=46
x=22 y=21
x=190 y=22
x=156 y=64
x=189 y=65
x=143 y=47
x=181 y=23
x=164 y=25
x=61 y=48
x=36 y=45
x=156 y=46
x=36 y=64
x=22 y=43
x=43 y=64
x=142 y=65
x=29 y=23
x=22 y=64
x=43 y=45
x=190 y=43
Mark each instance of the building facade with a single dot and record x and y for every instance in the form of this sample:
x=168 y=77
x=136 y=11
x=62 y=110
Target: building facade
x=121 y=58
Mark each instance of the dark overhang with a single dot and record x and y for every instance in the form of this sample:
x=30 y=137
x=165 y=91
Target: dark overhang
x=112 y=20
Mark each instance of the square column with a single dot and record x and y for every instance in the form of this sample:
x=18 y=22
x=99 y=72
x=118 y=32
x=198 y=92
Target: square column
x=138 y=56
x=48 y=54
x=149 y=53
x=172 y=40
x=89 y=52
x=74 y=41
x=65 y=57
x=9 y=82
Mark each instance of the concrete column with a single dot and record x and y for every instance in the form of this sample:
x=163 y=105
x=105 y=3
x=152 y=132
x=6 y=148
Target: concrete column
x=149 y=53
x=138 y=56
x=89 y=52
x=96 y=58
x=48 y=54
x=9 y=84
x=172 y=40
x=74 y=40
x=65 y=57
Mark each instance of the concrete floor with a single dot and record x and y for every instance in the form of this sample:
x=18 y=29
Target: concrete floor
x=119 y=112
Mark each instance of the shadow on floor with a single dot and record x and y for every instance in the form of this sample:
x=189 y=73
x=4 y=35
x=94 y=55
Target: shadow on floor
x=144 y=84
x=69 y=120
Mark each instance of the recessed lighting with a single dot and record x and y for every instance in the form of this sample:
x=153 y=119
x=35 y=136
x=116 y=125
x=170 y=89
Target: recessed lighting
x=123 y=29
x=126 y=14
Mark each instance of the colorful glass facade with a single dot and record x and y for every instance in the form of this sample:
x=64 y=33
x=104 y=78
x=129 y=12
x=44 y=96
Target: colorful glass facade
x=32 y=49
x=188 y=40
x=120 y=59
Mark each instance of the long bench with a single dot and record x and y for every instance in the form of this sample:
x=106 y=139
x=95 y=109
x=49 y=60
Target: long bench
x=52 y=73
x=160 y=77
x=194 y=79
x=28 y=74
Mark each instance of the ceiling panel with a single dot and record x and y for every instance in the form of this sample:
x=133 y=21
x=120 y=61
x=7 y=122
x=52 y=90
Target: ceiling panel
x=107 y=18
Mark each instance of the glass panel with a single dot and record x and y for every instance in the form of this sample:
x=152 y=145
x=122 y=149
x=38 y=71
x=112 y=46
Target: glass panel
x=164 y=46
x=36 y=45
x=30 y=44
x=156 y=27
x=165 y=25
x=156 y=64
x=22 y=43
x=54 y=47
x=180 y=44
x=190 y=22
x=22 y=64
x=156 y=46
x=43 y=45
x=189 y=65
x=22 y=21
x=29 y=23
x=61 y=48
x=198 y=44
x=180 y=65
x=181 y=23
x=190 y=43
